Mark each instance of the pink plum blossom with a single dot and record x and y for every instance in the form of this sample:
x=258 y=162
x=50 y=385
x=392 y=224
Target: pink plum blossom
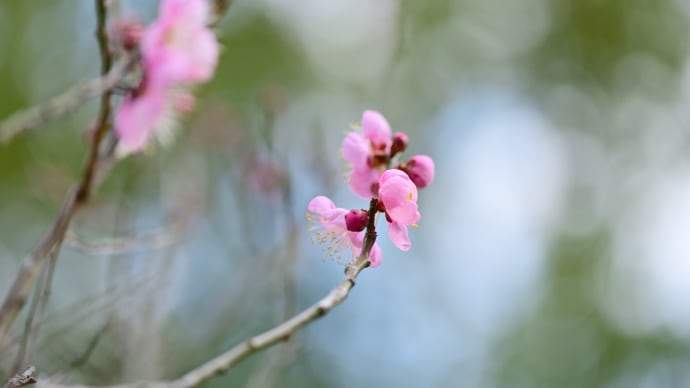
x=177 y=50
x=178 y=47
x=420 y=169
x=398 y=195
x=331 y=229
x=368 y=153
x=140 y=115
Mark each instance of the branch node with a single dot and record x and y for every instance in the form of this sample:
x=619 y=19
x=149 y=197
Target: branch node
x=22 y=379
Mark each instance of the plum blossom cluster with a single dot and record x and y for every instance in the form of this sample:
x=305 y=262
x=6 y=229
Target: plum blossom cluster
x=177 y=51
x=379 y=175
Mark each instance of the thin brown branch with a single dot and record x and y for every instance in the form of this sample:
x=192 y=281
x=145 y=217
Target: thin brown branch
x=32 y=263
x=102 y=124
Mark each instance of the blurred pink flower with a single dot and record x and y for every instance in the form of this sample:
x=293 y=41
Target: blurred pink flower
x=420 y=169
x=178 y=47
x=331 y=229
x=178 y=50
x=139 y=115
x=398 y=194
x=368 y=153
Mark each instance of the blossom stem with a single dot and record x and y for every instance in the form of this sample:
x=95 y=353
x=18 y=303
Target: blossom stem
x=370 y=236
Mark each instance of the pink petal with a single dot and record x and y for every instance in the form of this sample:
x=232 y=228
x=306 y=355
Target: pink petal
x=397 y=190
x=138 y=117
x=398 y=235
x=375 y=127
x=334 y=219
x=356 y=150
x=405 y=214
x=357 y=239
x=204 y=58
x=320 y=205
x=178 y=47
x=375 y=256
x=362 y=181
x=420 y=169
x=193 y=11
x=392 y=173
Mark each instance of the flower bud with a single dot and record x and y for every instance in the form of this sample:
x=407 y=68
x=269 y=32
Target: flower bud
x=356 y=220
x=420 y=169
x=400 y=142
x=128 y=33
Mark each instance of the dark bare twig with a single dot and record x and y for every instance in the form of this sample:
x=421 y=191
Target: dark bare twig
x=75 y=198
x=102 y=124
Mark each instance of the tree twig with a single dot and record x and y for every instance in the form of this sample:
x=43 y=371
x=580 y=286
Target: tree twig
x=153 y=240
x=282 y=332
x=61 y=105
x=227 y=360
x=31 y=264
x=33 y=320
x=22 y=379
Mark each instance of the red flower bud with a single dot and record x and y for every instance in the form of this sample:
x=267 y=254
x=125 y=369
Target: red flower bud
x=356 y=220
x=420 y=169
x=400 y=142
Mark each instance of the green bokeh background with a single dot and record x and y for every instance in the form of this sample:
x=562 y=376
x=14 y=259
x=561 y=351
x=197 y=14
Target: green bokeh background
x=610 y=76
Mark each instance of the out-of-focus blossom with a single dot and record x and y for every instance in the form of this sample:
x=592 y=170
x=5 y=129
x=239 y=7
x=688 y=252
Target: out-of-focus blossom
x=126 y=34
x=140 y=115
x=398 y=195
x=178 y=47
x=178 y=50
x=331 y=229
x=262 y=175
x=420 y=169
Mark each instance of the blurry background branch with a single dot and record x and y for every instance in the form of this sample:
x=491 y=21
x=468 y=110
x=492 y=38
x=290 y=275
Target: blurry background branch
x=154 y=240
x=246 y=348
x=63 y=104
x=281 y=332
x=22 y=379
x=95 y=169
x=33 y=320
